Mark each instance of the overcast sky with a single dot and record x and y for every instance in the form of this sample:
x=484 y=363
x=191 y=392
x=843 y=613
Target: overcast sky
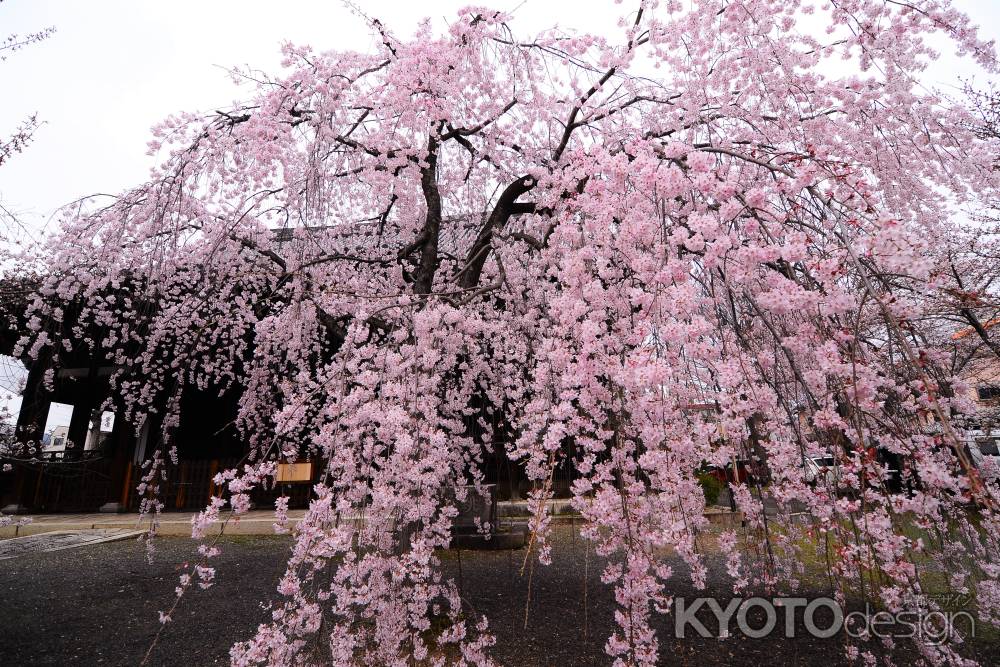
x=114 y=68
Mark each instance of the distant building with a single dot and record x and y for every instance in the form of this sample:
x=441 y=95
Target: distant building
x=981 y=375
x=54 y=442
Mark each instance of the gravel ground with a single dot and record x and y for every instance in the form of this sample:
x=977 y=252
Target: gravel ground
x=97 y=605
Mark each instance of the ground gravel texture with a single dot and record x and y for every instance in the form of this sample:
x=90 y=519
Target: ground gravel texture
x=98 y=605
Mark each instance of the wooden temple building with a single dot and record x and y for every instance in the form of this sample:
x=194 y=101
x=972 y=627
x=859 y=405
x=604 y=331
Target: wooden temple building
x=97 y=460
x=94 y=461
x=93 y=458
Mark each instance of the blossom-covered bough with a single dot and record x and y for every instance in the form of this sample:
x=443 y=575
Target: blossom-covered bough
x=553 y=247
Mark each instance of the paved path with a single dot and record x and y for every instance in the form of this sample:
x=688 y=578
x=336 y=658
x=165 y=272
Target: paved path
x=256 y=522
x=61 y=539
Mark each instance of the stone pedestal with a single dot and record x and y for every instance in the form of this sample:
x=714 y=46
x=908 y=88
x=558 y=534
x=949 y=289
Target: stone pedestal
x=476 y=507
x=477 y=511
x=511 y=537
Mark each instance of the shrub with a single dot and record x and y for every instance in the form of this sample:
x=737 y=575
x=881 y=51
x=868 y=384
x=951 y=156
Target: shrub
x=712 y=487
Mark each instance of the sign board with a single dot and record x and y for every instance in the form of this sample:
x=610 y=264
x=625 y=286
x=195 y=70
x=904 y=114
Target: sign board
x=294 y=472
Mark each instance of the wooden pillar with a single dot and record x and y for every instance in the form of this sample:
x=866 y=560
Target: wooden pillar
x=35 y=402
x=86 y=397
x=18 y=492
x=79 y=426
x=126 y=488
x=121 y=444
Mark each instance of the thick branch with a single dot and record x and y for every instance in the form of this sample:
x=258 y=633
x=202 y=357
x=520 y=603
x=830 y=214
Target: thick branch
x=980 y=330
x=506 y=206
x=424 y=277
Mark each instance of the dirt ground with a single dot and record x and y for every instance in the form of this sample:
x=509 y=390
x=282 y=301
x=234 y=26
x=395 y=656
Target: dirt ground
x=97 y=605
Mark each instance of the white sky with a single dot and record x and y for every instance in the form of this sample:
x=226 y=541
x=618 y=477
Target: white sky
x=12 y=377
x=116 y=67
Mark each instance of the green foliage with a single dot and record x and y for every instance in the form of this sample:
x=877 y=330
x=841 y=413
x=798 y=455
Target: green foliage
x=711 y=485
